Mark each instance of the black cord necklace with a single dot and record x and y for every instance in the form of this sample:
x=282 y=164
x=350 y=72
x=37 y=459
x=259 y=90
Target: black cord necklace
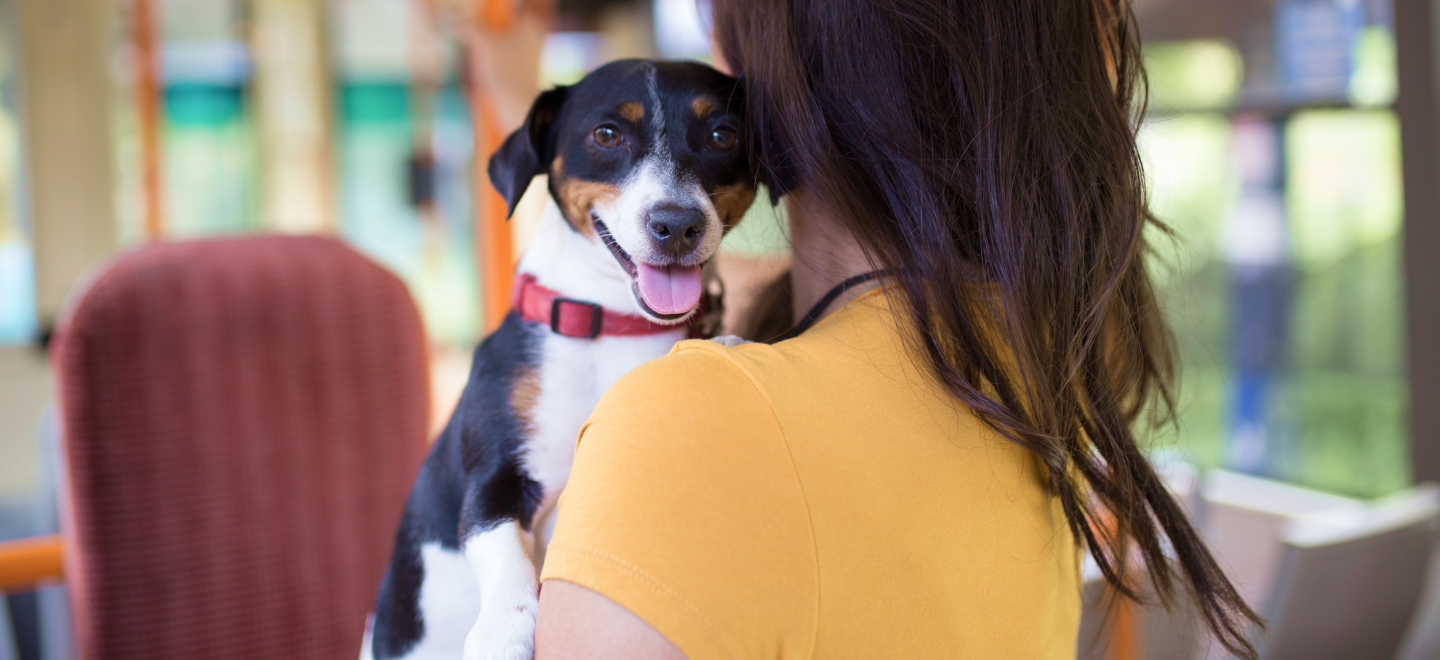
x=819 y=308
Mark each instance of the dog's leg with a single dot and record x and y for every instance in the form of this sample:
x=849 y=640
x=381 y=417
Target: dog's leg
x=501 y=558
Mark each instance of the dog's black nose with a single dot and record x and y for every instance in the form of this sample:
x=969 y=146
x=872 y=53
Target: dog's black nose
x=676 y=229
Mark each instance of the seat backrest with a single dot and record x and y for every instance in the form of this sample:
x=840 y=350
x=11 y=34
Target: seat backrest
x=243 y=419
x=1244 y=519
x=1422 y=637
x=1349 y=581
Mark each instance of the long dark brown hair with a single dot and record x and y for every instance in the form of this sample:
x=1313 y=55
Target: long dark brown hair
x=969 y=141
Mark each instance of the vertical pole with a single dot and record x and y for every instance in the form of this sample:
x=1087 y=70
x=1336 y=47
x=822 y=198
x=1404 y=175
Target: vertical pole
x=291 y=84
x=1417 y=107
x=498 y=241
x=1127 y=640
x=426 y=60
x=495 y=254
x=63 y=68
x=147 y=98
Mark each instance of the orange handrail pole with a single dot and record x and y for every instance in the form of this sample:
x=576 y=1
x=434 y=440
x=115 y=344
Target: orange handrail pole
x=498 y=241
x=497 y=15
x=1127 y=633
x=1126 y=641
x=494 y=249
x=26 y=563
x=147 y=97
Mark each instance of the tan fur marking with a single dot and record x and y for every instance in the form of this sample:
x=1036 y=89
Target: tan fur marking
x=731 y=202
x=578 y=196
x=525 y=395
x=632 y=111
x=702 y=107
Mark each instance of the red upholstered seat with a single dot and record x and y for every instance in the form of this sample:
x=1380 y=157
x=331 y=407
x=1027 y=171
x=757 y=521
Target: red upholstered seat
x=243 y=419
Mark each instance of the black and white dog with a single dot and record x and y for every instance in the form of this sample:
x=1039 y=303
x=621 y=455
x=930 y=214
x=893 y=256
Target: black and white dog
x=647 y=172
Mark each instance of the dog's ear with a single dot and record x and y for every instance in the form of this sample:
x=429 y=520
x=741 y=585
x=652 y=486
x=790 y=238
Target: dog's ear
x=528 y=150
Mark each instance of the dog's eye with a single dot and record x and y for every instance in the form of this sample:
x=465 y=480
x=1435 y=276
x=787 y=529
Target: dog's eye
x=722 y=138
x=607 y=136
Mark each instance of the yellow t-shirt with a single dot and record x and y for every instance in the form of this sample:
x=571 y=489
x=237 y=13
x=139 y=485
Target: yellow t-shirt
x=818 y=498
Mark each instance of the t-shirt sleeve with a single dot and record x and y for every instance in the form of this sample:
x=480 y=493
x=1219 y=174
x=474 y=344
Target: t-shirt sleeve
x=684 y=506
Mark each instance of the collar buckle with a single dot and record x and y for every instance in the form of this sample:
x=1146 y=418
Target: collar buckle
x=597 y=314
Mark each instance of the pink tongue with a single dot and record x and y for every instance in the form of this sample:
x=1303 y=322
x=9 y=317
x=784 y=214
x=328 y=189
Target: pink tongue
x=669 y=289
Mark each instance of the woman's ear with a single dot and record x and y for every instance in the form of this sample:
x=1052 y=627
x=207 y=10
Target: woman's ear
x=771 y=167
x=528 y=150
x=776 y=172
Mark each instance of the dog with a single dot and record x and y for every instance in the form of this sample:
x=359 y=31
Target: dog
x=647 y=170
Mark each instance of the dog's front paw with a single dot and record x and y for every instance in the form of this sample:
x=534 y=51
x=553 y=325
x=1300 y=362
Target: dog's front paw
x=729 y=341
x=503 y=635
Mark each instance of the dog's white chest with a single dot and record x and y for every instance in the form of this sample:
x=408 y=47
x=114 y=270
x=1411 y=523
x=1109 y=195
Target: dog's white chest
x=573 y=375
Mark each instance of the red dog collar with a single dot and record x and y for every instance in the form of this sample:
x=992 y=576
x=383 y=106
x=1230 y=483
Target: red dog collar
x=577 y=318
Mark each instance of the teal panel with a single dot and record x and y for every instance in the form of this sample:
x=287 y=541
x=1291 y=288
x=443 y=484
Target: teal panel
x=368 y=102
x=17 y=293
x=193 y=104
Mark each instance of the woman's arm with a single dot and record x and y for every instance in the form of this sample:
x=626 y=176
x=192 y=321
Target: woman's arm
x=576 y=623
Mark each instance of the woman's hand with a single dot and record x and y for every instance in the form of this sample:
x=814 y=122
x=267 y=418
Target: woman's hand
x=576 y=623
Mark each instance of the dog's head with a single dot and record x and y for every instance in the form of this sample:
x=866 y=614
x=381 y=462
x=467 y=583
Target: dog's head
x=647 y=160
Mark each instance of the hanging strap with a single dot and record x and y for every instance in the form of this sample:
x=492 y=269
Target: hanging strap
x=819 y=308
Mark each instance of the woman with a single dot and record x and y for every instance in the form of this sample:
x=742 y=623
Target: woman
x=915 y=474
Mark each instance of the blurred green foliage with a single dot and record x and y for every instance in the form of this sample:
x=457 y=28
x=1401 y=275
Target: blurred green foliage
x=1345 y=397
x=1193 y=190
x=1192 y=75
x=1337 y=416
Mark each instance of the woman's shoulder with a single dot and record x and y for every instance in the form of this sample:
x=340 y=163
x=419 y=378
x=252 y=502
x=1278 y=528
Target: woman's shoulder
x=685 y=507
x=698 y=398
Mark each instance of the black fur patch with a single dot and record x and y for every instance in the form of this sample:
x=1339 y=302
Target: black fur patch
x=562 y=124
x=398 y=625
x=506 y=494
x=471 y=481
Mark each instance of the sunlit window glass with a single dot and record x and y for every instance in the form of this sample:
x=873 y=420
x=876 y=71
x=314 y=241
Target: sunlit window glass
x=1277 y=165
